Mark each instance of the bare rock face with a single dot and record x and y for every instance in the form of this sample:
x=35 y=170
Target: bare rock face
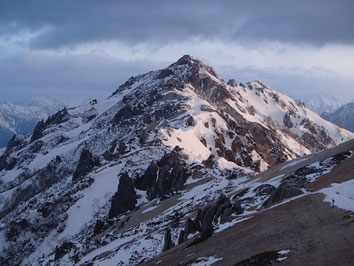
x=209 y=215
x=210 y=162
x=149 y=177
x=287 y=121
x=56 y=119
x=62 y=250
x=38 y=131
x=168 y=242
x=164 y=177
x=86 y=163
x=125 y=198
x=190 y=122
x=232 y=83
x=284 y=191
x=7 y=163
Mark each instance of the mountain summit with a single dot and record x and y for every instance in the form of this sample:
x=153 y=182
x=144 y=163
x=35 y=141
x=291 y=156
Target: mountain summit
x=111 y=174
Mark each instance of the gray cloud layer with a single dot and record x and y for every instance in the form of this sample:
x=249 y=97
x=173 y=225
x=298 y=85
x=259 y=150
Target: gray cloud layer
x=25 y=75
x=67 y=23
x=27 y=70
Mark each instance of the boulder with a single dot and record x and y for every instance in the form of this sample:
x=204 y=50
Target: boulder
x=237 y=207
x=203 y=140
x=168 y=242
x=203 y=236
x=197 y=174
x=207 y=218
x=86 y=163
x=147 y=180
x=189 y=228
x=190 y=122
x=226 y=214
x=122 y=147
x=62 y=250
x=164 y=177
x=224 y=208
x=125 y=198
x=99 y=227
x=210 y=162
x=181 y=237
x=264 y=190
x=284 y=191
x=164 y=180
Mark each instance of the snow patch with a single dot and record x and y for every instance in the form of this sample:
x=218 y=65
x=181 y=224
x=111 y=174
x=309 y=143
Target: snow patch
x=206 y=261
x=294 y=162
x=341 y=195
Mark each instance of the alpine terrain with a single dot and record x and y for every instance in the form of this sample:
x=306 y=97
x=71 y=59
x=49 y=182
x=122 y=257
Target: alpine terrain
x=22 y=118
x=179 y=167
x=325 y=103
x=343 y=116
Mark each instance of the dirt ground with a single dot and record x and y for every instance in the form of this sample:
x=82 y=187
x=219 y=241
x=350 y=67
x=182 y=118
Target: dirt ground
x=315 y=232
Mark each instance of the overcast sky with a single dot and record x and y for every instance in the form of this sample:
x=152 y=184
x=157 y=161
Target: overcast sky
x=86 y=49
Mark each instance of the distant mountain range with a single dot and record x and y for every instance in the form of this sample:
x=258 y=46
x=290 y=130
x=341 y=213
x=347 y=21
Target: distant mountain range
x=343 y=116
x=22 y=117
x=325 y=103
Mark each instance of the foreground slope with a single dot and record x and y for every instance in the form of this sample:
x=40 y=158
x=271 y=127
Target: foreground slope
x=313 y=228
x=175 y=140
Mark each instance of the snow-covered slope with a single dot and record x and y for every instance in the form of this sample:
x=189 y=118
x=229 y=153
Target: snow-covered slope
x=343 y=116
x=180 y=133
x=22 y=118
x=325 y=103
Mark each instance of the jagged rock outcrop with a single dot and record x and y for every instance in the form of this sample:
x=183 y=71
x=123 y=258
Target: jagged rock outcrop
x=166 y=176
x=168 y=244
x=284 y=191
x=190 y=122
x=211 y=214
x=57 y=118
x=86 y=163
x=62 y=250
x=38 y=131
x=125 y=198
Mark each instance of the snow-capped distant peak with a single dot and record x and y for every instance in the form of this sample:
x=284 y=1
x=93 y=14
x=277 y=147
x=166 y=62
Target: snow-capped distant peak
x=325 y=103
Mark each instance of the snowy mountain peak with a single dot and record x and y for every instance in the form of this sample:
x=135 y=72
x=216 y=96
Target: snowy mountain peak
x=162 y=133
x=325 y=103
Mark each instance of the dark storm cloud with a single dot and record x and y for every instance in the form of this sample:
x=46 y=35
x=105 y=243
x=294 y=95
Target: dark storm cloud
x=65 y=23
